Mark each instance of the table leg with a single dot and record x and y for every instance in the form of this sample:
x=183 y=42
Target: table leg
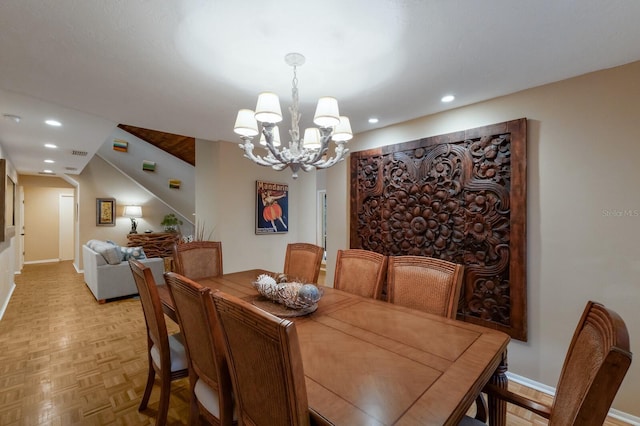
x=498 y=407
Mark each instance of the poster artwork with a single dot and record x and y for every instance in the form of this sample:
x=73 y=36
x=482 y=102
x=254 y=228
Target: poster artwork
x=272 y=207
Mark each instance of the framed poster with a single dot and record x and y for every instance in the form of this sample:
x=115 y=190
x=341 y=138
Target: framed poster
x=105 y=212
x=272 y=207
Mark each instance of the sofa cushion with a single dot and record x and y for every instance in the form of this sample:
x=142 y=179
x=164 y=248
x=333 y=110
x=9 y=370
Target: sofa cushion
x=132 y=253
x=110 y=252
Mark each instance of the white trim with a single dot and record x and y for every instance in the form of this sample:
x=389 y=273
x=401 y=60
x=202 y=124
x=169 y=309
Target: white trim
x=540 y=387
x=42 y=261
x=320 y=196
x=6 y=302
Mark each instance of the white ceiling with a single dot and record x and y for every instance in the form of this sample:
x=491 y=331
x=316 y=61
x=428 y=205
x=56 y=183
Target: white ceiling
x=187 y=66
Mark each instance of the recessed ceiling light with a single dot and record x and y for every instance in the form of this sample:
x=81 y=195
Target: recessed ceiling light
x=47 y=171
x=50 y=145
x=49 y=161
x=54 y=123
x=448 y=98
x=373 y=120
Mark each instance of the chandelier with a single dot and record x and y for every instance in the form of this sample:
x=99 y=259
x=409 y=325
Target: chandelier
x=307 y=153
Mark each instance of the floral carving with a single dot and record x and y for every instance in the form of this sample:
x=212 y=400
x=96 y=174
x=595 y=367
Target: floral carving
x=450 y=200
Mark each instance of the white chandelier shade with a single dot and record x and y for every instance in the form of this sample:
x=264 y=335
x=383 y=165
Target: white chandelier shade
x=307 y=153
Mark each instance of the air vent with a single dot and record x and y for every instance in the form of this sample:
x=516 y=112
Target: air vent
x=79 y=153
x=71 y=168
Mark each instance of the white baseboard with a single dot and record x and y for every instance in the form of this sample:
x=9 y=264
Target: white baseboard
x=540 y=387
x=6 y=302
x=42 y=261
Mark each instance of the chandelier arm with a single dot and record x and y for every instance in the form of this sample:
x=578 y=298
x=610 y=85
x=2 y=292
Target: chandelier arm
x=267 y=130
x=306 y=167
x=325 y=138
x=248 y=146
x=340 y=153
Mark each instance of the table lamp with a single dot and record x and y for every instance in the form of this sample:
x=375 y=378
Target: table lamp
x=133 y=212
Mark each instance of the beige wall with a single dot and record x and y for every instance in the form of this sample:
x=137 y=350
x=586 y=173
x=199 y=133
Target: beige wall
x=225 y=199
x=41 y=216
x=583 y=152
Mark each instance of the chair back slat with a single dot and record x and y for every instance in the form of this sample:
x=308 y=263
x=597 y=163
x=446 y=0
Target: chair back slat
x=265 y=363
x=198 y=259
x=425 y=283
x=360 y=272
x=302 y=262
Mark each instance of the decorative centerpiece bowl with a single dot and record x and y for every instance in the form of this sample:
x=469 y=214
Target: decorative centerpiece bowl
x=295 y=297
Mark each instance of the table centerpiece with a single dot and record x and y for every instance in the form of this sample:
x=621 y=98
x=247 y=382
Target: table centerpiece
x=286 y=297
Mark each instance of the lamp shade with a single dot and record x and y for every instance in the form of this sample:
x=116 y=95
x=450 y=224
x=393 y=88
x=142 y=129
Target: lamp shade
x=276 y=137
x=311 y=138
x=342 y=132
x=132 y=211
x=268 y=108
x=246 y=124
x=327 y=114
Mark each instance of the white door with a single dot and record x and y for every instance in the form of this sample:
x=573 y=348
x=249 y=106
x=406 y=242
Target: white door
x=21 y=213
x=66 y=227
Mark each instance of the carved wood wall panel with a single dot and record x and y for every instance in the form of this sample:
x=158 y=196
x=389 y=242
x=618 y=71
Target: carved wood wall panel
x=459 y=197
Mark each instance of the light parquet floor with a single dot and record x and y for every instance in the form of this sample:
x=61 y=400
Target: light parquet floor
x=66 y=360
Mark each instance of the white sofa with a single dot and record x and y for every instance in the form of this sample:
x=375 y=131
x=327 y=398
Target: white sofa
x=107 y=281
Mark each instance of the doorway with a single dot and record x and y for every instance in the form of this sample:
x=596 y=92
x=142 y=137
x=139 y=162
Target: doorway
x=321 y=226
x=66 y=208
x=49 y=221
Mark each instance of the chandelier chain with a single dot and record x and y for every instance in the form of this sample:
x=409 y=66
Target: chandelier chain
x=294 y=132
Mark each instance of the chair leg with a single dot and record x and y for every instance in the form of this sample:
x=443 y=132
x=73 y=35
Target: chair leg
x=149 y=386
x=165 y=393
x=194 y=411
x=481 y=409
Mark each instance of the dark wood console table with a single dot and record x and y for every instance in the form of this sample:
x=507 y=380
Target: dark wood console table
x=155 y=244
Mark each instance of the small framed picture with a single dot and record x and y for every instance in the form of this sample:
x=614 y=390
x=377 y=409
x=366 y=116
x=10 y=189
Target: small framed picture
x=148 y=166
x=120 y=145
x=272 y=208
x=105 y=212
x=174 y=183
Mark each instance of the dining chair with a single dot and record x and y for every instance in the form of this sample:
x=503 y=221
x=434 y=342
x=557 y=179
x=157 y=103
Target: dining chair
x=265 y=363
x=166 y=352
x=425 y=283
x=595 y=365
x=198 y=259
x=209 y=380
x=360 y=272
x=302 y=262
x=430 y=285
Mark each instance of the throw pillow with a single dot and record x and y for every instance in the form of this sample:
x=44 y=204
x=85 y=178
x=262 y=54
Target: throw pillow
x=110 y=252
x=132 y=253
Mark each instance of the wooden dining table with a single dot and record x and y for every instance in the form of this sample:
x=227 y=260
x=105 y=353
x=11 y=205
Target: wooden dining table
x=369 y=362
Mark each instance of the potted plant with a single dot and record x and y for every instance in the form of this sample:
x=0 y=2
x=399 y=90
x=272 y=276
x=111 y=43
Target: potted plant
x=171 y=222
